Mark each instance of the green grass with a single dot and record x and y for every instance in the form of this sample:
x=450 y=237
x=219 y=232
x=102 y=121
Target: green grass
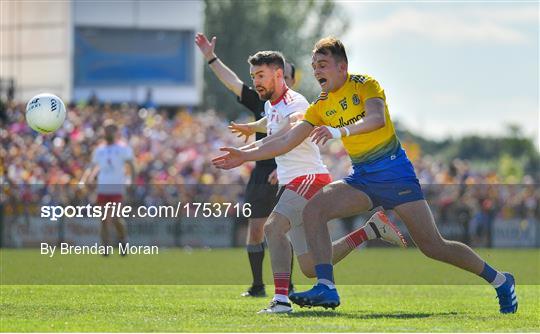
x=220 y=309
x=388 y=266
x=216 y=307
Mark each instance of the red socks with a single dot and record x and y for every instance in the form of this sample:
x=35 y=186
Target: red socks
x=281 y=282
x=354 y=239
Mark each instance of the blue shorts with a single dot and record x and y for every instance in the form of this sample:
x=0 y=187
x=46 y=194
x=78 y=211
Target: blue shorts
x=388 y=182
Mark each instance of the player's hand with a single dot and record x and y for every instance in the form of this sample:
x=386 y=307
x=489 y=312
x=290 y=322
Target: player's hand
x=323 y=134
x=233 y=158
x=241 y=130
x=272 y=178
x=207 y=48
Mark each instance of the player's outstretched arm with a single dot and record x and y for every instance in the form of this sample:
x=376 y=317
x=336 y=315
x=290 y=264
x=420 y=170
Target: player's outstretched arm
x=248 y=129
x=224 y=74
x=290 y=121
x=270 y=149
x=374 y=120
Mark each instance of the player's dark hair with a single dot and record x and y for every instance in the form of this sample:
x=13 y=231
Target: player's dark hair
x=274 y=58
x=331 y=46
x=293 y=70
x=110 y=130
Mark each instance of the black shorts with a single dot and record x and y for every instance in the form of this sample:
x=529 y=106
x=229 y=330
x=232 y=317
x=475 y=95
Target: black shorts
x=259 y=193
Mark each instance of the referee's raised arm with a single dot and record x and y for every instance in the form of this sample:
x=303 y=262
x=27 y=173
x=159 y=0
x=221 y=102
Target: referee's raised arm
x=245 y=94
x=224 y=74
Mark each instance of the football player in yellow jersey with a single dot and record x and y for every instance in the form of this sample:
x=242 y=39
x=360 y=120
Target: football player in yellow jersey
x=353 y=107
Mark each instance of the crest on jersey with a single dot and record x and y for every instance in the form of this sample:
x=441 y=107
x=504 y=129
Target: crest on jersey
x=355 y=99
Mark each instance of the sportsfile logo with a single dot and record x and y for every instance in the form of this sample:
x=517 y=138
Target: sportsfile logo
x=119 y=210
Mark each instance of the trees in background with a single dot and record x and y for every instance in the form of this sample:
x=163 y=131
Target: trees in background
x=245 y=27
x=512 y=155
x=292 y=27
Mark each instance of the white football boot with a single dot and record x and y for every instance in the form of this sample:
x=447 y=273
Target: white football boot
x=277 y=306
x=386 y=230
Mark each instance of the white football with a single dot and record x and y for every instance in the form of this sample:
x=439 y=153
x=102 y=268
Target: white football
x=45 y=113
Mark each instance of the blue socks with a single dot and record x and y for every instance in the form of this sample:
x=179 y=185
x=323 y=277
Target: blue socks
x=325 y=274
x=492 y=276
x=488 y=273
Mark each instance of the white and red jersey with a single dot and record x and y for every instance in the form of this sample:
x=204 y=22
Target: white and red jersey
x=303 y=159
x=111 y=160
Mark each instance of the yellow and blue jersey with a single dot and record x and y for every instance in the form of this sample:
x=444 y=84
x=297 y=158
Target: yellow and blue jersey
x=346 y=106
x=381 y=168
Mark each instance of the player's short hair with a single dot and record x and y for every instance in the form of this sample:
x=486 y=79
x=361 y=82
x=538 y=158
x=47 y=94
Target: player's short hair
x=274 y=58
x=293 y=70
x=331 y=46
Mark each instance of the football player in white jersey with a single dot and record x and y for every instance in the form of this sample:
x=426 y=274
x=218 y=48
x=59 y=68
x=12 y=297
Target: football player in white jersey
x=301 y=173
x=108 y=162
x=261 y=189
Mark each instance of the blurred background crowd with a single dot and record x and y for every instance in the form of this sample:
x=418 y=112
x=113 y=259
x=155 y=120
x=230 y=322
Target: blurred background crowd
x=472 y=141
x=172 y=156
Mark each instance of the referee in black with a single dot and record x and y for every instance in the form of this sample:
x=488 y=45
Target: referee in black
x=262 y=188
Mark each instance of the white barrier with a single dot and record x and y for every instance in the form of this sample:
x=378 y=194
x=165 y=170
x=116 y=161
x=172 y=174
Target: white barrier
x=203 y=232
x=195 y=232
x=514 y=233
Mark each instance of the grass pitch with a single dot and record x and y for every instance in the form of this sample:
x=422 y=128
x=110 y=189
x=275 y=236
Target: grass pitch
x=377 y=303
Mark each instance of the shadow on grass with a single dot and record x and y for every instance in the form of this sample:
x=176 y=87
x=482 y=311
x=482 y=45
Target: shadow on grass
x=330 y=314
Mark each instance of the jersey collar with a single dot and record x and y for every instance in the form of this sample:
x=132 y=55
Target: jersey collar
x=281 y=97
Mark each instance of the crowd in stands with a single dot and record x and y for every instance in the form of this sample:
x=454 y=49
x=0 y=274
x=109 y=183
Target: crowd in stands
x=172 y=156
